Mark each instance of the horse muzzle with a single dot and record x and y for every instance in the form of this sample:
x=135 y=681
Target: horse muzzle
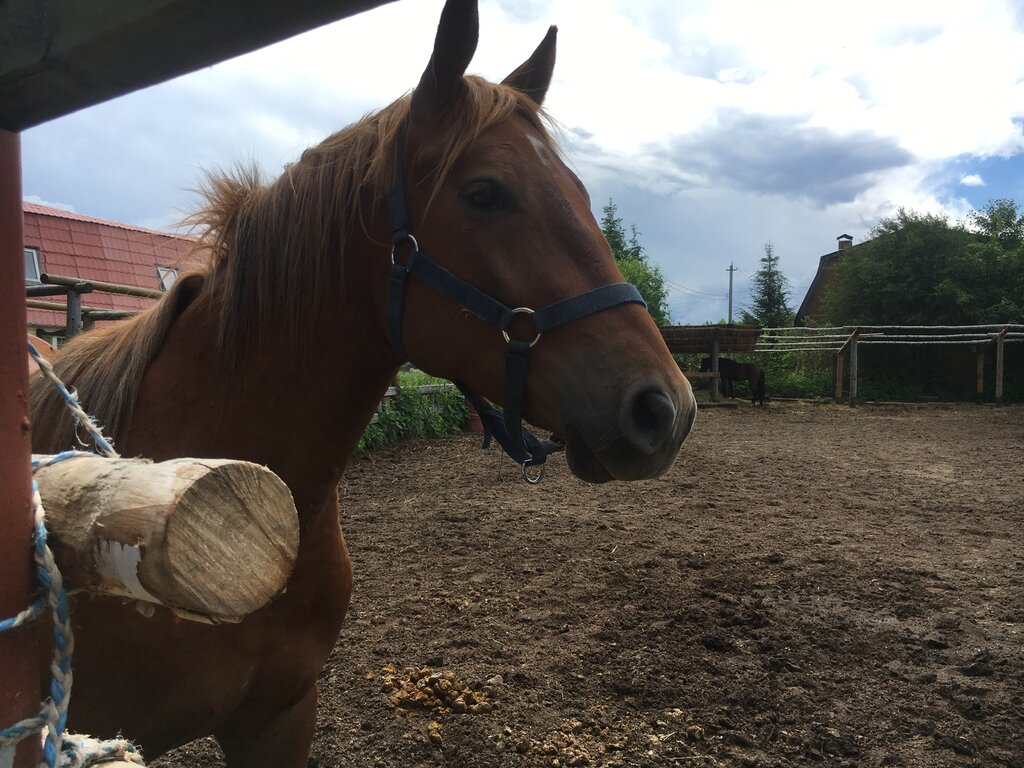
x=637 y=438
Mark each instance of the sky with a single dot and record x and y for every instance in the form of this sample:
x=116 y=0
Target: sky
x=716 y=127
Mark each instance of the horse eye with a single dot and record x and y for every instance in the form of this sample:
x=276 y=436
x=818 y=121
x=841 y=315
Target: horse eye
x=486 y=195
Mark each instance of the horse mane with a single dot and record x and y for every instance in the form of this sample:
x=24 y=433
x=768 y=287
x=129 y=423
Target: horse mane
x=275 y=252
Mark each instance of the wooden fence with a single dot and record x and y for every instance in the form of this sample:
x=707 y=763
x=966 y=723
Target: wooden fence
x=79 y=317
x=843 y=343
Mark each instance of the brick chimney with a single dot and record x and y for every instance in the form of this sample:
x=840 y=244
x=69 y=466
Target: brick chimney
x=845 y=241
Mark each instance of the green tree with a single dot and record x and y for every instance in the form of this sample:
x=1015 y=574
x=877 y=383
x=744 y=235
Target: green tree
x=769 y=294
x=924 y=269
x=632 y=261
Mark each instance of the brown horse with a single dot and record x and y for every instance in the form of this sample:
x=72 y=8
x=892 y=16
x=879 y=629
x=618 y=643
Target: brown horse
x=730 y=371
x=490 y=199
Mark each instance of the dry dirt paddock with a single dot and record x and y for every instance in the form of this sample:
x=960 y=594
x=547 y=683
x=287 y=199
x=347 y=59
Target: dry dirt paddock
x=809 y=585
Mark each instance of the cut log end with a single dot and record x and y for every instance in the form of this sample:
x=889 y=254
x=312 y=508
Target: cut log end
x=212 y=537
x=236 y=562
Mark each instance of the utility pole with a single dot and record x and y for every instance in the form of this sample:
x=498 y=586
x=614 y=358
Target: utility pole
x=730 y=270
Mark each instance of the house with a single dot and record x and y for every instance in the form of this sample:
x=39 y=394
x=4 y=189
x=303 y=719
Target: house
x=813 y=302
x=68 y=244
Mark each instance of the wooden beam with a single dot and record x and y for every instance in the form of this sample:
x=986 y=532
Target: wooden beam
x=19 y=665
x=99 y=285
x=88 y=313
x=34 y=291
x=211 y=537
x=58 y=56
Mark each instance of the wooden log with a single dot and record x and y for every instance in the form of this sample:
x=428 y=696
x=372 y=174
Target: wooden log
x=211 y=537
x=100 y=285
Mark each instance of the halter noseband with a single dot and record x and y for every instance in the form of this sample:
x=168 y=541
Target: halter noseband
x=507 y=426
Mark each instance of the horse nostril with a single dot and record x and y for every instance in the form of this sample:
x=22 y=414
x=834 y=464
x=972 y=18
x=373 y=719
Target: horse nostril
x=652 y=419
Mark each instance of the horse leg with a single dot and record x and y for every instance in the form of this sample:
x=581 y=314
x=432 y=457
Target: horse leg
x=283 y=742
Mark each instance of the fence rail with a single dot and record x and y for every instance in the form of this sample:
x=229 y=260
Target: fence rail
x=78 y=317
x=843 y=342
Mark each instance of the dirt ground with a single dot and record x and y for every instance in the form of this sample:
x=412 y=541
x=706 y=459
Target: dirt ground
x=809 y=585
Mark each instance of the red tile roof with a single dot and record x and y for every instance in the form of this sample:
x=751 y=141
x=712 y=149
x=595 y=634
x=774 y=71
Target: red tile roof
x=73 y=245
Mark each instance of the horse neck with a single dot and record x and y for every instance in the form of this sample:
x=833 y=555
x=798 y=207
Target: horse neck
x=298 y=411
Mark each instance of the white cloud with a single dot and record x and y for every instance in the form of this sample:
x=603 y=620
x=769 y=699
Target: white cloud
x=39 y=201
x=972 y=180
x=715 y=125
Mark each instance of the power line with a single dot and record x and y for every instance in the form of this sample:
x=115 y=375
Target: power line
x=692 y=291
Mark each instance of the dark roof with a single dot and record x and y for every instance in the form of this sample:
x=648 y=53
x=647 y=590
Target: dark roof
x=814 y=298
x=56 y=58
x=74 y=245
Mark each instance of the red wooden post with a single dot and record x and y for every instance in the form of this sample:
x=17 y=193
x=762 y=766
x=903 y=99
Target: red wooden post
x=19 y=666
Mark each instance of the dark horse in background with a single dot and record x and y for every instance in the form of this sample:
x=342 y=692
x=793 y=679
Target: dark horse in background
x=488 y=197
x=730 y=371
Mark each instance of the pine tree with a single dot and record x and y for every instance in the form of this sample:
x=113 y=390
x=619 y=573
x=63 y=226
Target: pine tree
x=769 y=294
x=613 y=230
x=631 y=259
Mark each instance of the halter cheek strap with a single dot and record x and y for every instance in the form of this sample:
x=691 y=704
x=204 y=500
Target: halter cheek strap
x=506 y=427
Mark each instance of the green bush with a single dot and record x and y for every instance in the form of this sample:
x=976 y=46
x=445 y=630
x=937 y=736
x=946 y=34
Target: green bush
x=786 y=374
x=897 y=374
x=410 y=414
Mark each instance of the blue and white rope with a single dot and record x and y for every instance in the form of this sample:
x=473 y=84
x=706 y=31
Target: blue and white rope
x=60 y=750
x=87 y=421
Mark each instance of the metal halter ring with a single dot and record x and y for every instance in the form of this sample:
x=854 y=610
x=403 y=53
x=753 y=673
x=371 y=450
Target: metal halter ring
x=415 y=247
x=520 y=311
x=535 y=479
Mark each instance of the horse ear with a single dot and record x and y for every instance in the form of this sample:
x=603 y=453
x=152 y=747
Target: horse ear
x=454 y=46
x=533 y=76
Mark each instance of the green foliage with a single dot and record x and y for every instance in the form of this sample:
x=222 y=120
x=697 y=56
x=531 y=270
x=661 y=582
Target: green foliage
x=651 y=283
x=769 y=295
x=410 y=414
x=632 y=261
x=417 y=378
x=921 y=269
x=787 y=374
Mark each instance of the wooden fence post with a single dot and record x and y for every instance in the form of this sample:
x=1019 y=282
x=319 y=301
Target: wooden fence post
x=980 y=387
x=714 y=365
x=837 y=375
x=853 y=367
x=851 y=342
x=19 y=670
x=74 y=314
x=999 y=366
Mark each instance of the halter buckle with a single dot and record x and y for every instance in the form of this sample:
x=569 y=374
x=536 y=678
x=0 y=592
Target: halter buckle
x=504 y=332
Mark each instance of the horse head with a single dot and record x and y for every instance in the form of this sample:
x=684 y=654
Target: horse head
x=488 y=197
